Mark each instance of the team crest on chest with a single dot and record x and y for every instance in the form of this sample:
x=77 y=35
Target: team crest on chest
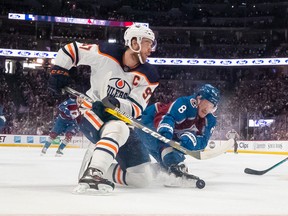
x=118 y=88
x=120 y=84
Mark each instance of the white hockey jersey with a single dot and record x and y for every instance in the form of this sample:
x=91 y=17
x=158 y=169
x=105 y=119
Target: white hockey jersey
x=109 y=77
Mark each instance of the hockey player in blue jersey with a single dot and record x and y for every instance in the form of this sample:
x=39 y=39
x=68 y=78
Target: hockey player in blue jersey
x=189 y=120
x=66 y=122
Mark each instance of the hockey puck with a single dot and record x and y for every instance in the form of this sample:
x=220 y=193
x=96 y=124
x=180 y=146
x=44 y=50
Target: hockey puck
x=200 y=184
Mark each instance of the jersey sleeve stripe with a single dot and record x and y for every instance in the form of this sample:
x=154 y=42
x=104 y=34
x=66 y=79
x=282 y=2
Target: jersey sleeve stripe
x=67 y=53
x=86 y=104
x=145 y=77
x=137 y=110
x=71 y=51
x=76 y=51
x=93 y=119
x=136 y=103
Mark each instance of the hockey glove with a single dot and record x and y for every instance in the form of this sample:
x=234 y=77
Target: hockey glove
x=99 y=109
x=165 y=130
x=59 y=78
x=111 y=102
x=189 y=141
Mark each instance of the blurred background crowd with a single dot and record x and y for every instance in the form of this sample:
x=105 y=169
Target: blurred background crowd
x=184 y=29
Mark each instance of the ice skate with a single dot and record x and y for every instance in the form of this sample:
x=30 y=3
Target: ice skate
x=59 y=153
x=179 y=177
x=93 y=183
x=43 y=151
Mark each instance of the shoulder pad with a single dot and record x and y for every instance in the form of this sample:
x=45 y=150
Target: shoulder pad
x=114 y=50
x=149 y=71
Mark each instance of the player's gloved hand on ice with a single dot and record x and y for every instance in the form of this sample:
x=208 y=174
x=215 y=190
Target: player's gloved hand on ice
x=165 y=130
x=189 y=141
x=59 y=78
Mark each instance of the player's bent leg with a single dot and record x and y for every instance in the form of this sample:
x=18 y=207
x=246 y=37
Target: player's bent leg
x=138 y=176
x=113 y=135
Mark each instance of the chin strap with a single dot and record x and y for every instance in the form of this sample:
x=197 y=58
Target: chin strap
x=140 y=58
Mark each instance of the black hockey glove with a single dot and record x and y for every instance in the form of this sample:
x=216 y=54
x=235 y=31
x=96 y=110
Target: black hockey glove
x=59 y=78
x=98 y=108
x=111 y=102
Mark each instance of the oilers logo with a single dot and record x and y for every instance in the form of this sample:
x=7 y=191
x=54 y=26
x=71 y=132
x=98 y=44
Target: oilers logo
x=118 y=88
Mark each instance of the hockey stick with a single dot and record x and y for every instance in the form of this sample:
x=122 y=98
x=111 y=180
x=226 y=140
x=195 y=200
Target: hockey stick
x=261 y=172
x=115 y=111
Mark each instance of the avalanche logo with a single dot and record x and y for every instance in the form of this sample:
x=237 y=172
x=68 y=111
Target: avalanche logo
x=209 y=62
x=242 y=62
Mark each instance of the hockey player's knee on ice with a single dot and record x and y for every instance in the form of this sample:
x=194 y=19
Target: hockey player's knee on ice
x=137 y=176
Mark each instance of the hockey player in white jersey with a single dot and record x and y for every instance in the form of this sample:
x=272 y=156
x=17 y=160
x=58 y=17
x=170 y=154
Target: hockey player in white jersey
x=123 y=77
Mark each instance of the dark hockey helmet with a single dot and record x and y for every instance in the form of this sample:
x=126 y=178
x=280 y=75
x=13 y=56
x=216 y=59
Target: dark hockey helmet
x=209 y=93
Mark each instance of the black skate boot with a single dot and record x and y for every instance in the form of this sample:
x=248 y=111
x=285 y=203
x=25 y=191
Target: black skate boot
x=183 y=178
x=92 y=181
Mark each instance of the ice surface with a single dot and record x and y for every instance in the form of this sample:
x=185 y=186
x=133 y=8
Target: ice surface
x=31 y=184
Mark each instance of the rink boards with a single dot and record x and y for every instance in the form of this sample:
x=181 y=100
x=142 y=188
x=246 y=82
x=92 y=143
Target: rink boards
x=268 y=147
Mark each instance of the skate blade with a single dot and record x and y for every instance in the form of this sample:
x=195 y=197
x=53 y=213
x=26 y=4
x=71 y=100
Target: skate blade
x=84 y=189
x=58 y=155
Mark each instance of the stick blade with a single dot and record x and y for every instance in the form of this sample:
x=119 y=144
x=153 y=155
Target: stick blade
x=254 y=172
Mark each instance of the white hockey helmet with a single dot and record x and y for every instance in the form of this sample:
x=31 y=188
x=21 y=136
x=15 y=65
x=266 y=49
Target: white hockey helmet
x=139 y=31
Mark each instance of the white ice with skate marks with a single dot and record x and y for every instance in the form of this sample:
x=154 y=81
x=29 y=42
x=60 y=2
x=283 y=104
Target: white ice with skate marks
x=31 y=184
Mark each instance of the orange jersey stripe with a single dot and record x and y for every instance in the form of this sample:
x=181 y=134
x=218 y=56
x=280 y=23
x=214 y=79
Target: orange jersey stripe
x=71 y=51
x=93 y=118
x=119 y=175
x=87 y=104
x=108 y=145
x=137 y=110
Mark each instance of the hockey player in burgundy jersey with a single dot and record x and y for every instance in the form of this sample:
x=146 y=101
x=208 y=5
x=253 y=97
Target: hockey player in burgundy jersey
x=189 y=120
x=122 y=76
x=65 y=123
